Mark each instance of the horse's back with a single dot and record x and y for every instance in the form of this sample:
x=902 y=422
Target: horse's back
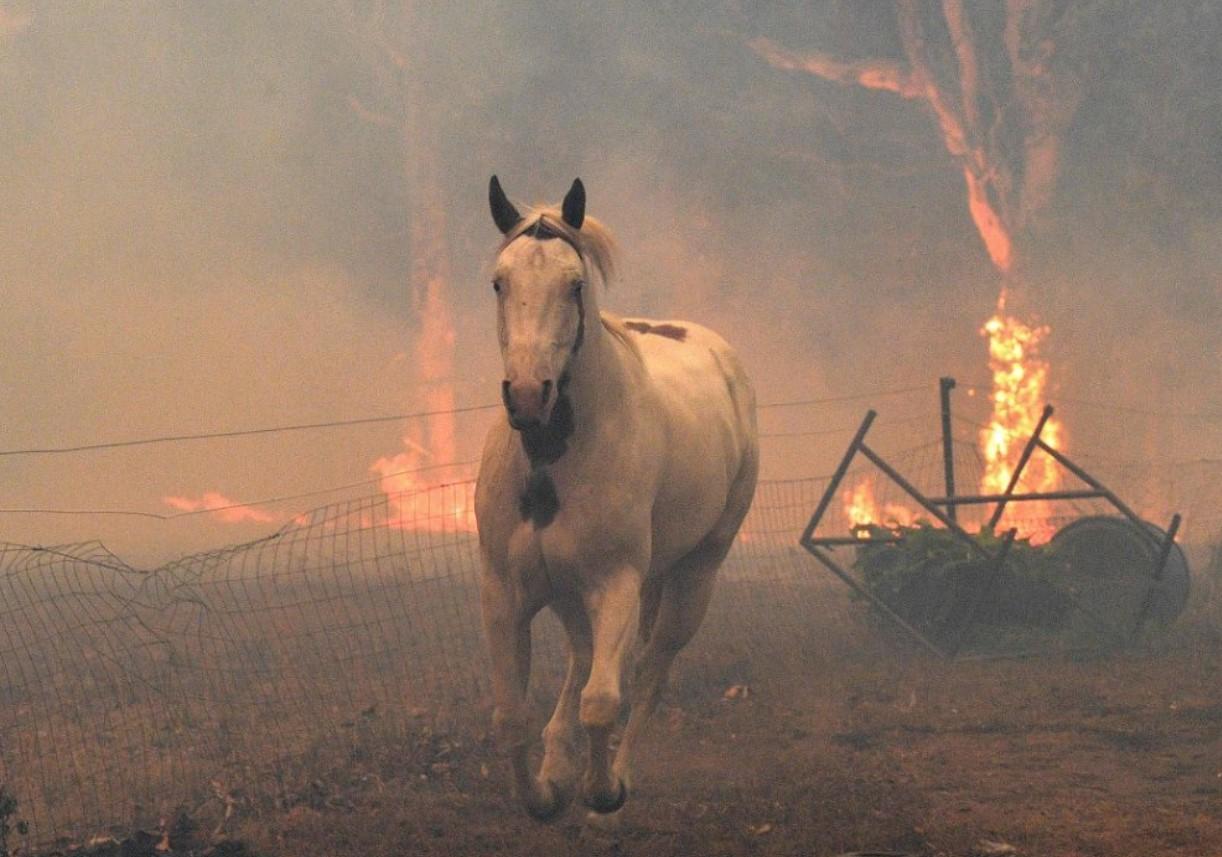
x=708 y=405
x=696 y=370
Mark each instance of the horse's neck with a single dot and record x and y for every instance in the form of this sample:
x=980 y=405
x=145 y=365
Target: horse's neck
x=598 y=378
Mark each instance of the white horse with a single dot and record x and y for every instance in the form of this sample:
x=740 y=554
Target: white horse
x=611 y=494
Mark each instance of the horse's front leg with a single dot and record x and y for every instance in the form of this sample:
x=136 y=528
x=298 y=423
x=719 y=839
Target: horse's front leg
x=562 y=737
x=613 y=606
x=507 y=619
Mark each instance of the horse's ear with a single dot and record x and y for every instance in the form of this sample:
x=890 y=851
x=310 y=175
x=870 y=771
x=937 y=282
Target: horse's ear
x=503 y=212
x=574 y=206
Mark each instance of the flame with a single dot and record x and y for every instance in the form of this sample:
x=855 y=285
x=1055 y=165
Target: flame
x=416 y=502
x=861 y=509
x=428 y=444
x=435 y=370
x=222 y=508
x=1020 y=382
x=431 y=442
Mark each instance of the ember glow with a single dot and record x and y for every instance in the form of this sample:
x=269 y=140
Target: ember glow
x=861 y=508
x=1020 y=387
x=221 y=507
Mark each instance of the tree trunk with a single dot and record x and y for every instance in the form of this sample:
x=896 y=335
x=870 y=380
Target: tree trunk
x=1000 y=102
x=430 y=276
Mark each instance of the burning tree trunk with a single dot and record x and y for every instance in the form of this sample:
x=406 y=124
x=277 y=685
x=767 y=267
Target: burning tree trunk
x=1002 y=98
x=389 y=36
x=430 y=272
x=988 y=76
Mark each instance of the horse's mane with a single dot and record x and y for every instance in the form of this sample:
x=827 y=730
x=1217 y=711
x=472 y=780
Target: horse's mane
x=592 y=240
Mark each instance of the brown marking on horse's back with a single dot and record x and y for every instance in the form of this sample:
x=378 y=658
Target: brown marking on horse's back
x=670 y=331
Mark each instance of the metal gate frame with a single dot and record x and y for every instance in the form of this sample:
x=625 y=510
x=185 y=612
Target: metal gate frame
x=943 y=510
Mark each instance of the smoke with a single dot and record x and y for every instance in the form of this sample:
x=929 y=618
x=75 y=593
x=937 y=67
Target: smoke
x=200 y=233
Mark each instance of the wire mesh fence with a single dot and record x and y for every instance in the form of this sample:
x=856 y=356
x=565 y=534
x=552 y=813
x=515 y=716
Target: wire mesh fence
x=127 y=694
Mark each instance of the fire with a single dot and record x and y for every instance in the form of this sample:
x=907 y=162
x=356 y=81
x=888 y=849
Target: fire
x=417 y=503
x=1020 y=382
x=861 y=508
x=415 y=498
x=222 y=508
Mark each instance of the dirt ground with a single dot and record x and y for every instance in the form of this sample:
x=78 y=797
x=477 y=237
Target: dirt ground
x=857 y=744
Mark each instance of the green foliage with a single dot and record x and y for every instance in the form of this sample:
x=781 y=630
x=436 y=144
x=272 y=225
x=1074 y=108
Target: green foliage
x=934 y=578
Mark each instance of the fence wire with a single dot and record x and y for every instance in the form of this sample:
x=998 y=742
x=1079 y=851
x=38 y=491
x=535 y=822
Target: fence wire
x=128 y=695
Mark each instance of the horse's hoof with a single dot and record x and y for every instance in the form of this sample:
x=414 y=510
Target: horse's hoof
x=603 y=806
x=602 y=826
x=554 y=802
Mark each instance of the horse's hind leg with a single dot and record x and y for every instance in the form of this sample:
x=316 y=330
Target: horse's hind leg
x=507 y=629
x=687 y=588
x=685 y=600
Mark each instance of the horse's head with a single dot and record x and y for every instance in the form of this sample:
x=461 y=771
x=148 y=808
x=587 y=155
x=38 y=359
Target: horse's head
x=540 y=282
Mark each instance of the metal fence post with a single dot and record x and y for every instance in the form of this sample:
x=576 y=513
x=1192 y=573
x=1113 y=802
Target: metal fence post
x=948 y=448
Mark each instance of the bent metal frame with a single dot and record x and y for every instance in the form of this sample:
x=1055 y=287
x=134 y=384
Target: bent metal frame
x=943 y=510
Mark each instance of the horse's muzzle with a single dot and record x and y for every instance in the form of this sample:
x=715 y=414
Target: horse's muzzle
x=528 y=402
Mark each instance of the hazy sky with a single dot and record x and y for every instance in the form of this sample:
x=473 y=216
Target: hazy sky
x=199 y=233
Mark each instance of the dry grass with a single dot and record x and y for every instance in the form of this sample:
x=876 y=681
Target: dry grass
x=345 y=715
x=845 y=743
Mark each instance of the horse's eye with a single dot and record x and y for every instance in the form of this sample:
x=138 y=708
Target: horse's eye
x=577 y=287
x=496 y=286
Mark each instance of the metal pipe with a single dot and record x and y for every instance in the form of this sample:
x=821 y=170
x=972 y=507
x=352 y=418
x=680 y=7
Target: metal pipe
x=1164 y=553
x=878 y=603
x=1018 y=469
x=837 y=477
x=948 y=448
x=979 y=499
x=921 y=499
x=1102 y=489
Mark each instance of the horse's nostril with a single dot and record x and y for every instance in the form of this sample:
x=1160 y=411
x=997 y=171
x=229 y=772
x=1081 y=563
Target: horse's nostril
x=505 y=397
x=547 y=392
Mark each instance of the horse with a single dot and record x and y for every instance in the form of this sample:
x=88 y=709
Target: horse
x=611 y=494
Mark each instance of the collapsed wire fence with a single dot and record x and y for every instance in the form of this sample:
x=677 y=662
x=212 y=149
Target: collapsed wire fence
x=128 y=695
x=125 y=694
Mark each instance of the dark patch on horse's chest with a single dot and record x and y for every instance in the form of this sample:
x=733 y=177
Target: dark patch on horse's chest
x=545 y=445
x=540 y=502
x=670 y=331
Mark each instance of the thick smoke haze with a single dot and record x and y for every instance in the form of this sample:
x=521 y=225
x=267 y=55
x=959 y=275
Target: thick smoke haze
x=205 y=227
